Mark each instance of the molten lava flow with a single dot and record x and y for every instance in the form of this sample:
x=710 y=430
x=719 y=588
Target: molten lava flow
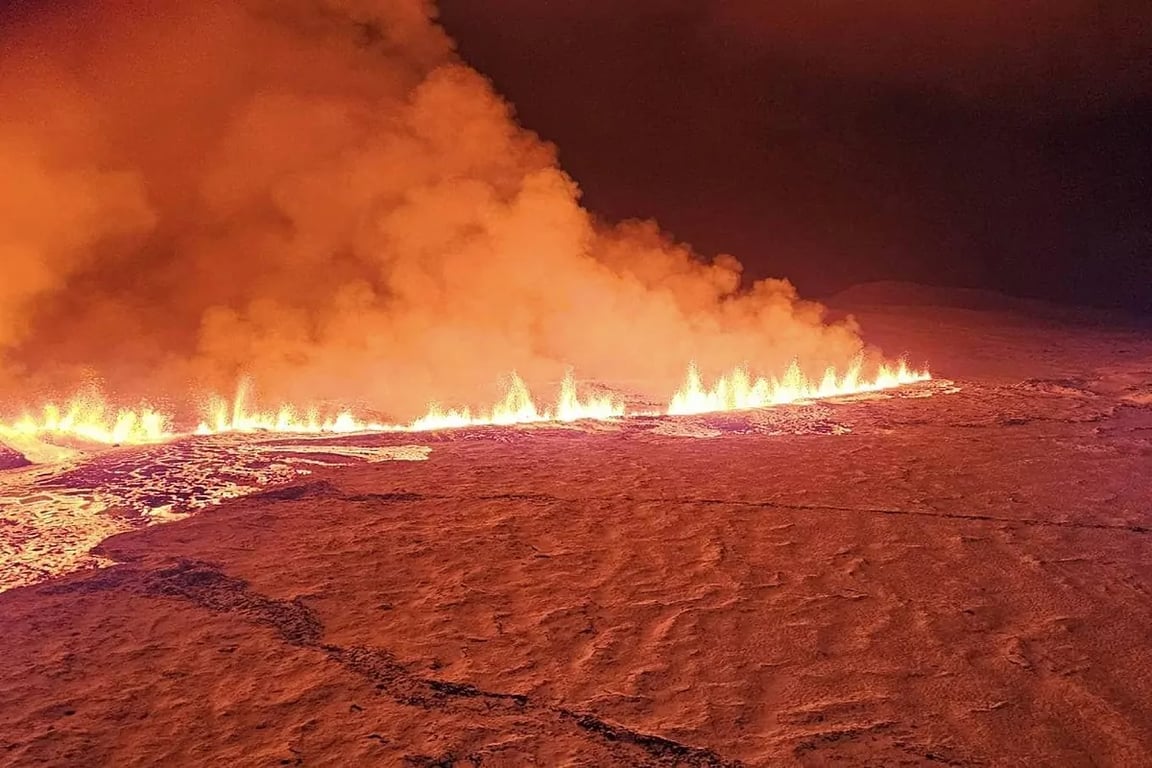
x=739 y=391
x=226 y=416
x=89 y=417
x=518 y=407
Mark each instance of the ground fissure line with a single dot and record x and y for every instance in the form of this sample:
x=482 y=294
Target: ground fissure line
x=206 y=586
x=928 y=513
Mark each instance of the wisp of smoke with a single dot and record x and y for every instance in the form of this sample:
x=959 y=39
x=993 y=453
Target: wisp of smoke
x=319 y=194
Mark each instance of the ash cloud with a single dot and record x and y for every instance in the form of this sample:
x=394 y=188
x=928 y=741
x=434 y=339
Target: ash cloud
x=321 y=195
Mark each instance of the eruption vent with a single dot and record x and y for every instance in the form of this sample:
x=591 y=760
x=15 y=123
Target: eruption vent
x=319 y=196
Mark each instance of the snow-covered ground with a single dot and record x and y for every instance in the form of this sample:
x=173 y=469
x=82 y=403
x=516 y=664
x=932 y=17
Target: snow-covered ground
x=51 y=516
x=958 y=574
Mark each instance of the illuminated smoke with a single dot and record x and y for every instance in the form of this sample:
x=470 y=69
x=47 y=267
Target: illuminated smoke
x=318 y=194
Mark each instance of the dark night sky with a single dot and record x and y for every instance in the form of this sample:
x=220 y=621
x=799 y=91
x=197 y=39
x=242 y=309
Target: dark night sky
x=1002 y=145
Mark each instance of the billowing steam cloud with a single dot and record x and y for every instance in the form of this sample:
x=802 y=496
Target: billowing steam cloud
x=318 y=193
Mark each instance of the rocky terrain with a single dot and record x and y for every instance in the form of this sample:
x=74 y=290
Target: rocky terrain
x=956 y=574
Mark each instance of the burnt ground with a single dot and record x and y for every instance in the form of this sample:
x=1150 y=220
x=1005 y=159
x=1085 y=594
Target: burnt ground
x=958 y=576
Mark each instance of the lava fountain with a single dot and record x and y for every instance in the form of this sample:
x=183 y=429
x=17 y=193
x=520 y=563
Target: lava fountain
x=90 y=417
x=738 y=390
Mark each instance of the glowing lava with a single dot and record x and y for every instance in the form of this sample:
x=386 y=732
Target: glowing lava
x=89 y=417
x=518 y=407
x=738 y=391
x=226 y=417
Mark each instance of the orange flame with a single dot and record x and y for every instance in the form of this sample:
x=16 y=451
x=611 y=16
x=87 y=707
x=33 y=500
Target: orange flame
x=517 y=407
x=89 y=416
x=226 y=417
x=738 y=391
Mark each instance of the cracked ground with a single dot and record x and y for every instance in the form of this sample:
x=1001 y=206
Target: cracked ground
x=960 y=578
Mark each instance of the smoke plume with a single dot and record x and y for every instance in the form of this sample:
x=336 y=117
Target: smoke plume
x=319 y=194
